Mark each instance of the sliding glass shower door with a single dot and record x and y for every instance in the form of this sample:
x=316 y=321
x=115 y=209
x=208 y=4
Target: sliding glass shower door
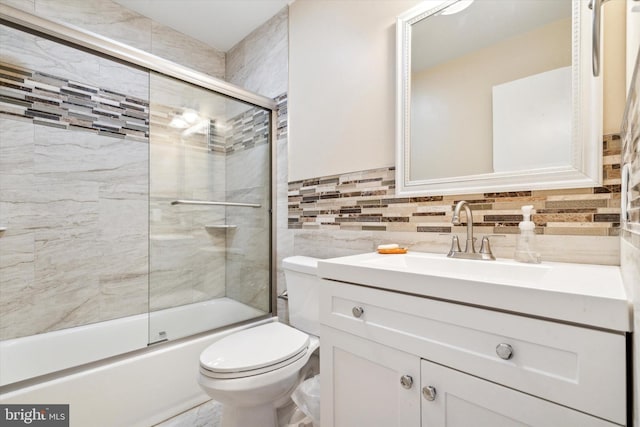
x=209 y=210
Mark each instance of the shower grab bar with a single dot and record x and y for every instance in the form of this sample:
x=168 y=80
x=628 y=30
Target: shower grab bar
x=204 y=202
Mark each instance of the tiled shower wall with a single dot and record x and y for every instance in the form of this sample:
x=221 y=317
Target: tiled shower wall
x=247 y=177
x=76 y=250
x=73 y=187
x=110 y=19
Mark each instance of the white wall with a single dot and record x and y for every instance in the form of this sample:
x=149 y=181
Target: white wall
x=633 y=37
x=462 y=85
x=614 y=64
x=341 y=83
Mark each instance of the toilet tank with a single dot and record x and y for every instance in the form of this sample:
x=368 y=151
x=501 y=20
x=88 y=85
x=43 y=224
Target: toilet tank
x=303 y=287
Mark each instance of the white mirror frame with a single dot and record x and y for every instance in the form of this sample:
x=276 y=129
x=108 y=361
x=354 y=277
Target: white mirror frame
x=586 y=146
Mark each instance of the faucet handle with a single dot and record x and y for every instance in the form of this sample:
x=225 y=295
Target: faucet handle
x=485 y=248
x=455 y=246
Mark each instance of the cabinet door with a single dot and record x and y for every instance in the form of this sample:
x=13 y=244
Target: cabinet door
x=455 y=399
x=362 y=383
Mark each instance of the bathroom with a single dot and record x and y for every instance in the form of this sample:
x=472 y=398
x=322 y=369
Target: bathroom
x=337 y=144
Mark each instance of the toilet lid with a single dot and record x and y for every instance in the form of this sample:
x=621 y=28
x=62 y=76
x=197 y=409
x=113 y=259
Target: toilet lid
x=254 y=348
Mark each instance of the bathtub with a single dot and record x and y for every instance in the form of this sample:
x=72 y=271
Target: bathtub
x=137 y=389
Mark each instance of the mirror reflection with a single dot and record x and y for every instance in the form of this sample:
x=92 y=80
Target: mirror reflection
x=490 y=88
x=498 y=71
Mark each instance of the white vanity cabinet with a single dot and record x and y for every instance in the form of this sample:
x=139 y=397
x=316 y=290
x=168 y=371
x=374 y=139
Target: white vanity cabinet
x=393 y=359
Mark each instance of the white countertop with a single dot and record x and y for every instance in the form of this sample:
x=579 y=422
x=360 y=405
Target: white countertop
x=585 y=294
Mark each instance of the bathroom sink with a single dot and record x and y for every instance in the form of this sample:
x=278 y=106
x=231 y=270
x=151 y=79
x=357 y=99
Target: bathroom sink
x=578 y=293
x=486 y=271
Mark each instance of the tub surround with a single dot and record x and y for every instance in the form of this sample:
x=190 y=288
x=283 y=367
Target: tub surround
x=110 y=19
x=79 y=133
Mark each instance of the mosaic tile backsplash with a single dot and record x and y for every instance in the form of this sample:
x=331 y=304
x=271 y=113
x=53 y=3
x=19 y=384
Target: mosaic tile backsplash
x=55 y=101
x=366 y=201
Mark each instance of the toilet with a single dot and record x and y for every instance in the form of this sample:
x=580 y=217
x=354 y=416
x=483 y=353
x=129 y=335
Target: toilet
x=253 y=372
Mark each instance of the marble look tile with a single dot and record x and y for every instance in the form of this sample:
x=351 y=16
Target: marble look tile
x=248 y=169
x=247 y=260
x=123 y=79
x=36 y=53
x=17 y=256
x=259 y=62
x=16 y=147
x=208 y=414
x=84 y=229
x=89 y=157
x=169 y=289
x=186 y=173
x=124 y=294
x=248 y=246
x=186 y=266
x=26 y=5
x=580 y=249
x=182 y=49
x=103 y=17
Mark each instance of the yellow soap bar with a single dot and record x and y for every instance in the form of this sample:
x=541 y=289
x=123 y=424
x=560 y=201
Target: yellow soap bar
x=393 y=251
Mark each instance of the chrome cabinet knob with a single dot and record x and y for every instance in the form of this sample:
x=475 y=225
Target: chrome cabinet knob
x=504 y=351
x=406 y=381
x=429 y=393
x=357 y=311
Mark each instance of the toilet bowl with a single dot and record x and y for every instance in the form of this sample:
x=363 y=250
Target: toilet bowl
x=254 y=371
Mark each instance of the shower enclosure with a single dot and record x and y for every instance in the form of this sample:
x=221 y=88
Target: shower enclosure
x=135 y=199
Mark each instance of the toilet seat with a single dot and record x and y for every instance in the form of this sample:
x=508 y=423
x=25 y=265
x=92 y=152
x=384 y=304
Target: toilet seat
x=254 y=351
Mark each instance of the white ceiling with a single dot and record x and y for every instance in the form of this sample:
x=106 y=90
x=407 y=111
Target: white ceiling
x=218 y=23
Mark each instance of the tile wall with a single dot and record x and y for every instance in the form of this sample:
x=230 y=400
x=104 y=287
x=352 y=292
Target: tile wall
x=74 y=178
x=247 y=178
x=73 y=187
x=110 y=19
x=50 y=100
x=354 y=212
x=630 y=242
x=366 y=201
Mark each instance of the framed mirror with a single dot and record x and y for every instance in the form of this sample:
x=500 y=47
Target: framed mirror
x=497 y=95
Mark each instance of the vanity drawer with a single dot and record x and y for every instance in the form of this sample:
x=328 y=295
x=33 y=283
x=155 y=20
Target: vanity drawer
x=578 y=367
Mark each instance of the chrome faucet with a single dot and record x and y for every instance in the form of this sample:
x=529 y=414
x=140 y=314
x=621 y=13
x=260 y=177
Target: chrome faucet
x=469 y=249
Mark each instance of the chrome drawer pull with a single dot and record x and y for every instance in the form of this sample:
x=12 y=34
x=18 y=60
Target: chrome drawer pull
x=357 y=311
x=406 y=381
x=429 y=393
x=504 y=351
